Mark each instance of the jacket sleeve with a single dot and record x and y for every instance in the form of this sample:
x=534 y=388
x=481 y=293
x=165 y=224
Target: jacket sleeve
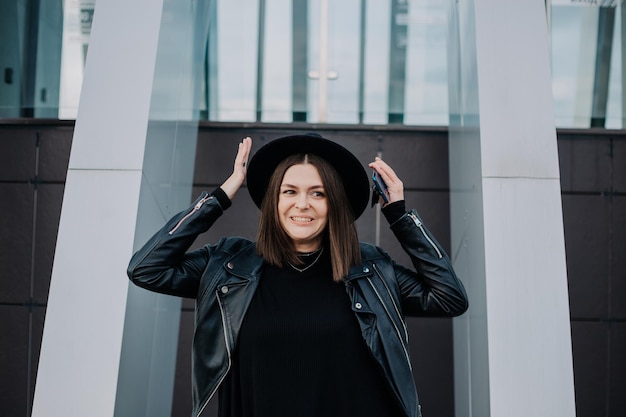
x=163 y=264
x=433 y=289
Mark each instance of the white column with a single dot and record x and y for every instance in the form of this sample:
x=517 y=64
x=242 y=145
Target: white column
x=108 y=347
x=513 y=353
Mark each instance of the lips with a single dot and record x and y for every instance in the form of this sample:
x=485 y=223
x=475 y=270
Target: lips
x=301 y=219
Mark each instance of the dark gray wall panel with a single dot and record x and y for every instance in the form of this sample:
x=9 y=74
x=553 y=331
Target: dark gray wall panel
x=619 y=165
x=17 y=154
x=16 y=241
x=48 y=211
x=617 y=370
x=182 y=385
x=617 y=306
x=431 y=356
x=589 y=346
x=14 y=360
x=586 y=223
x=54 y=153
x=585 y=163
x=38 y=314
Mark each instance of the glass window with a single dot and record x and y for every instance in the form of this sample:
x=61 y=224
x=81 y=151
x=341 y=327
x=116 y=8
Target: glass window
x=77 y=19
x=237 y=31
x=387 y=61
x=30 y=55
x=343 y=58
x=277 y=62
x=376 y=61
x=616 y=111
x=586 y=78
x=426 y=99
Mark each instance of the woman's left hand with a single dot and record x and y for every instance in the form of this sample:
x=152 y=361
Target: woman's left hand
x=394 y=184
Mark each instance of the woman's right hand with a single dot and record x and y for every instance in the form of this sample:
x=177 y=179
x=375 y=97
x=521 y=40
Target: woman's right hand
x=236 y=179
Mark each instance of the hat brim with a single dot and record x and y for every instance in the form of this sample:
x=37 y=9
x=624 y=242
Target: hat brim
x=349 y=168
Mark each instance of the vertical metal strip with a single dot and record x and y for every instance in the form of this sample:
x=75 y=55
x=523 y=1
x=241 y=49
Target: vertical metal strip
x=259 y=61
x=361 y=99
x=397 y=60
x=606 y=23
x=623 y=38
x=29 y=75
x=323 y=67
x=210 y=76
x=300 y=51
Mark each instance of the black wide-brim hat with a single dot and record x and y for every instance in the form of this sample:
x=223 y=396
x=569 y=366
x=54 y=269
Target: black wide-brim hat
x=350 y=170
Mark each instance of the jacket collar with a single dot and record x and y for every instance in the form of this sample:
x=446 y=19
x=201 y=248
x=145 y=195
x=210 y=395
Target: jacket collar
x=369 y=254
x=359 y=271
x=245 y=263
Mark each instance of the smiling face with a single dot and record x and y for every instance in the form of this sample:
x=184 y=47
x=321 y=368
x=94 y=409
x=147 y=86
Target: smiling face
x=303 y=207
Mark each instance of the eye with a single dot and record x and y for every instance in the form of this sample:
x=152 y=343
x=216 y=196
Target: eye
x=319 y=194
x=288 y=191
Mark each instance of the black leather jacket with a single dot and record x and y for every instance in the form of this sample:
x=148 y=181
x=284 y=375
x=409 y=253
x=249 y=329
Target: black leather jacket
x=223 y=278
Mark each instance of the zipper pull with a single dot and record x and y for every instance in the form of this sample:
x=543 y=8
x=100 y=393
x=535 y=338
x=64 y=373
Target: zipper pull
x=188 y=215
x=201 y=202
x=417 y=221
x=419 y=225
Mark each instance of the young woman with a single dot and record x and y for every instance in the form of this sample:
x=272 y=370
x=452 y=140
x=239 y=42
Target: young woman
x=306 y=321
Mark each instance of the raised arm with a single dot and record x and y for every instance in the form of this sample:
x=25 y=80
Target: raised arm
x=234 y=182
x=432 y=287
x=163 y=263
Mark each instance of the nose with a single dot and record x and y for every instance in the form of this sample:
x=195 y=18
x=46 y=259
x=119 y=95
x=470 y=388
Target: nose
x=302 y=202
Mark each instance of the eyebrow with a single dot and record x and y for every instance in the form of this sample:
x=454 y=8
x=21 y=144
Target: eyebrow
x=295 y=186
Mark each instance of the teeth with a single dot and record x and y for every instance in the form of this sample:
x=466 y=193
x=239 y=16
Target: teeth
x=301 y=219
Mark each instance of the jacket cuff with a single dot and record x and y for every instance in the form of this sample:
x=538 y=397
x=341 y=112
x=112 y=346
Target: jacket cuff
x=394 y=211
x=222 y=198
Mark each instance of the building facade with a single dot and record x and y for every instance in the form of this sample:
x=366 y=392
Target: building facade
x=469 y=121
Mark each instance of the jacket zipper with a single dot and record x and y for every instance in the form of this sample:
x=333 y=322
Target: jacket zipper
x=395 y=306
x=224 y=327
x=192 y=212
x=406 y=353
x=418 y=223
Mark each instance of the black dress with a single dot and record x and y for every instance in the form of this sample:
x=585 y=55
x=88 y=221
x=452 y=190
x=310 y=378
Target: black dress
x=300 y=353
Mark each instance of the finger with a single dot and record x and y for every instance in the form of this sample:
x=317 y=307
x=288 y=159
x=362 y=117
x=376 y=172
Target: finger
x=247 y=145
x=243 y=152
x=395 y=187
x=388 y=174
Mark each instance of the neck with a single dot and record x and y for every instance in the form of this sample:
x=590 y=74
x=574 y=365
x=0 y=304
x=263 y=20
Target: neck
x=309 y=253
x=308 y=247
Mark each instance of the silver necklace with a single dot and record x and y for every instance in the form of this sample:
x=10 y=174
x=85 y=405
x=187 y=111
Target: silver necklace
x=319 y=255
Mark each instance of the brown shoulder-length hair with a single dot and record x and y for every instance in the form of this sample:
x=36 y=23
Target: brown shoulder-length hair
x=340 y=235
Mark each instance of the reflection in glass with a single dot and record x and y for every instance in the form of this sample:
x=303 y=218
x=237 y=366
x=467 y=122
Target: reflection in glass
x=30 y=48
x=237 y=31
x=426 y=101
x=586 y=45
x=616 y=106
x=77 y=19
x=277 y=61
x=387 y=61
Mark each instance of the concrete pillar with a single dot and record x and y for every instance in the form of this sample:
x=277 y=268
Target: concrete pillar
x=512 y=349
x=109 y=348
